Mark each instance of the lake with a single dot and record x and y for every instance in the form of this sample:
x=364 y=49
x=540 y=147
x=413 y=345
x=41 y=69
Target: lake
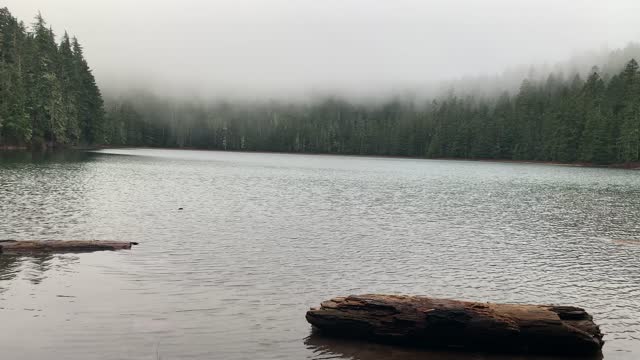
x=262 y=237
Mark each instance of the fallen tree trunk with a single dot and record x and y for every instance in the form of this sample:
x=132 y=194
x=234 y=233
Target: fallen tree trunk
x=29 y=246
x=441 y=323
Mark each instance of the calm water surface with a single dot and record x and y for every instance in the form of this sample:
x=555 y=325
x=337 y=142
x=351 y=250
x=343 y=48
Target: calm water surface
x=264 y=236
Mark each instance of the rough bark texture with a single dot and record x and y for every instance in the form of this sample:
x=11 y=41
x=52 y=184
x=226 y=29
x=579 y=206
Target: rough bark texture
x=442 y=323
x=27 y=246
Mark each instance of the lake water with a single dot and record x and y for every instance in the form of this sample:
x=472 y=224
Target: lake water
x=262 y=237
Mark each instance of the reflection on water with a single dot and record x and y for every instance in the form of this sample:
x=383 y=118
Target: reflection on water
x=9 y=266
x=332 y=348
x=42 y=191
x=8 y=158
x=33 y=267
x=262 y=237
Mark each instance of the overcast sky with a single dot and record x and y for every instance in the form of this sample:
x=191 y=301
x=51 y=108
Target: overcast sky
x=292 y=46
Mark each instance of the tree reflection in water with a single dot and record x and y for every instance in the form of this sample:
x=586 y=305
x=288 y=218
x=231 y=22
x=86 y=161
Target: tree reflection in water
x=33 y=268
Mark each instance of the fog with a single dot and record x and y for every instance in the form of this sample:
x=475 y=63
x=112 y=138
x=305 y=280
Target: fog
x=292 y=48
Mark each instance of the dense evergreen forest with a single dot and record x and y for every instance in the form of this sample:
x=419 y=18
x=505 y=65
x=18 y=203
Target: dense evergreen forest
x=594 y=120
x=48 y=95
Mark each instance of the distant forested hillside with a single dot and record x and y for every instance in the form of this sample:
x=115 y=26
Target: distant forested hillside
x=48 y=95
x=595 y=120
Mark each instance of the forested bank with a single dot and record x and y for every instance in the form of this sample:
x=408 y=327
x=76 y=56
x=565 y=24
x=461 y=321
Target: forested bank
x=594 y=120
x=48 y=95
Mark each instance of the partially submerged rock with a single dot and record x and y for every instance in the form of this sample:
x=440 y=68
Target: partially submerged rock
x=442 y=323
x=30 y=246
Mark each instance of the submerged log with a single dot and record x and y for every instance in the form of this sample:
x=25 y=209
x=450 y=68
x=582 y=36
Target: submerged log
x=37 y=246
x=441 y=323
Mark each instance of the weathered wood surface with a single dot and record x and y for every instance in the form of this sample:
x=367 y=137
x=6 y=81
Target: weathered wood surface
x=28 y=246
x=441 y=323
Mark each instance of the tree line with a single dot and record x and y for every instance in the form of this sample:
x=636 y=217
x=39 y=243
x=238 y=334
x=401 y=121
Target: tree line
x=48 y=95
x=592 y=120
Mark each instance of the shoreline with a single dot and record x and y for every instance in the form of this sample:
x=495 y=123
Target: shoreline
x=623 y=166
x=13 y=148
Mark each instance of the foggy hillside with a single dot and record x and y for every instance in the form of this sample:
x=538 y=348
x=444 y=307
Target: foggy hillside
x=608 y=62
x=585 y=109
x=485 y=86
x=296 y=49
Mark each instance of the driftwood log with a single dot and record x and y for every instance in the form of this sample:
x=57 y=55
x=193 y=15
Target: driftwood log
x=37 y=246
x=441 y=323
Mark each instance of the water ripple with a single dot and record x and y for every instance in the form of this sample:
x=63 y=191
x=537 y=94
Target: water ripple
x=262 y=237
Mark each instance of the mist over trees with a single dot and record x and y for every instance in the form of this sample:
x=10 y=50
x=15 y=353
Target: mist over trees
x=566 y=119
x=609 y=63
x=48 y=95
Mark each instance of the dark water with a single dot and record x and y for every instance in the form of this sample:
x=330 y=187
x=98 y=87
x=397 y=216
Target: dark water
x=263 y=236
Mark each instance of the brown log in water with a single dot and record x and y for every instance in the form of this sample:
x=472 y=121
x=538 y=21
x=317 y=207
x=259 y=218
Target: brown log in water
x=37 y=246
x=441 y=323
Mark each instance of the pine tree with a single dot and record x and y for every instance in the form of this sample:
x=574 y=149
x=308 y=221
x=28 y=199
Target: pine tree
x=594 y=136
x=90 y=103
x=63 y=104
x=630 y=114
x=14 y=121
x=66 y=73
